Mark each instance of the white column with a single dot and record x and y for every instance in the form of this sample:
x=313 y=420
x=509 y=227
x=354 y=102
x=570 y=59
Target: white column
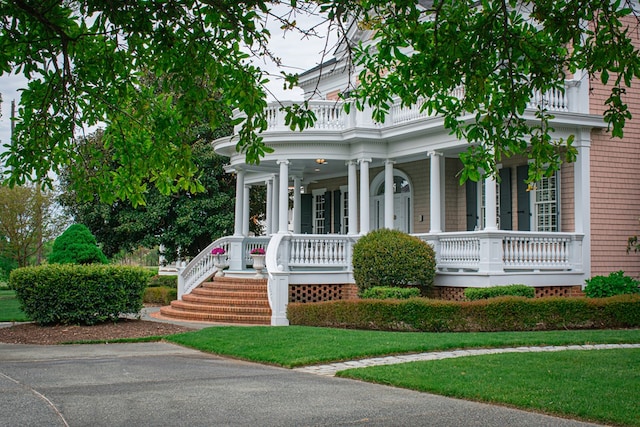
x=582 y=199
x=247 y=211
x=283 y=197
x=490 y=206
x=274 y=204
x=388 y=194
x=269 y=208
x=353 y=197
x=237 y=229
x=364 y=196
x=435 y=210
x=297 y=182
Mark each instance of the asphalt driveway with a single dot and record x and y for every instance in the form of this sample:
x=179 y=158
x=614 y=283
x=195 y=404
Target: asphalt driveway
x=160 y=384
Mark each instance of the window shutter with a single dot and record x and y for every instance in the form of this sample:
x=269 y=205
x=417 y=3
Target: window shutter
x=506 y=219
x=327 y=212
x=524 y=201
x=337 y=223
x=472 y=204
x=306 y=213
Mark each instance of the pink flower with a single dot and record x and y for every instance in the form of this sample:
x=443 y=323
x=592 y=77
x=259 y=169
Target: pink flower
x=257 y=251
x=218 y=251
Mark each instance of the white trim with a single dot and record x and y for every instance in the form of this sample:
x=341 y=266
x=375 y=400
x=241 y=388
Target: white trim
x=406 y=201
x=318 y=192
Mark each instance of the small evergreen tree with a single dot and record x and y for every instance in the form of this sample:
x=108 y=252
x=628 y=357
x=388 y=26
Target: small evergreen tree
x=77 y=246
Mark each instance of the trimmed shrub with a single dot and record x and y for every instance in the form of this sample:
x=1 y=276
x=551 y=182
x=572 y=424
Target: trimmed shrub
x=162 y=295
x=381 y=292
x=488 y=315
x=166 y=281
x=473 y=294
x=613 y=284
x=76 y=246
x=78 y=294
x=391 y=258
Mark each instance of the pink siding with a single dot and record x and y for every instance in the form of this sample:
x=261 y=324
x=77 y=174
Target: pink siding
x=615 y=188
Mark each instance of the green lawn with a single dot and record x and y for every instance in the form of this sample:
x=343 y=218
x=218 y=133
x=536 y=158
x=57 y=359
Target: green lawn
x=10 y=308
x=597 y=385
x=297 y=345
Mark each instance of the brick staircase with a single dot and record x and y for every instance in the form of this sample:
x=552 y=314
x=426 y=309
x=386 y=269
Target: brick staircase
x=225 y=300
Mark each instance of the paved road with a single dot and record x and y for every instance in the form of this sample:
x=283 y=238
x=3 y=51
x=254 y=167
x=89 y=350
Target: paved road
x=160 y=384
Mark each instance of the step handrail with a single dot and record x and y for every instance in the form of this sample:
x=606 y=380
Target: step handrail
x=200 y=268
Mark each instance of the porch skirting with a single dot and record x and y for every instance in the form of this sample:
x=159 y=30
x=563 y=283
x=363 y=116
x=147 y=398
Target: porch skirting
x=453 y=293
x=322 y=292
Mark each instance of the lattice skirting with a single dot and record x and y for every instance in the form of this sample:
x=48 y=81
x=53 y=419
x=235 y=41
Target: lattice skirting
x=317 y=293
x=457 y=294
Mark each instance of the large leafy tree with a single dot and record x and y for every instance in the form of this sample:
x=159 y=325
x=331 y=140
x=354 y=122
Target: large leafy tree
x=85 y=61
x=183 y=222
x=29 y=217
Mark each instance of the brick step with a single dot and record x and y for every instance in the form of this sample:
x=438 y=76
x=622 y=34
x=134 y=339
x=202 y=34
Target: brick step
x=217 y=293
x=224 y=308
x=238 y=302
x=234 y=287
x=216 y=317
x=224 y=300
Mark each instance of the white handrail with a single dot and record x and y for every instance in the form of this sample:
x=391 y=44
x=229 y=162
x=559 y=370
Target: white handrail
x=200 y=268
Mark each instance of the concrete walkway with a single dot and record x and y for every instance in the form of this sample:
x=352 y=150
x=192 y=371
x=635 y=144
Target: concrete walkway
x=331 y=369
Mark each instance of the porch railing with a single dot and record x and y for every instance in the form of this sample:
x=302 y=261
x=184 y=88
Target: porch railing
x=504 y=251
x=200 y=267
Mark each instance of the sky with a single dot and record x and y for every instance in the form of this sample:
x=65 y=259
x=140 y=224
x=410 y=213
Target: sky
x=297 y=53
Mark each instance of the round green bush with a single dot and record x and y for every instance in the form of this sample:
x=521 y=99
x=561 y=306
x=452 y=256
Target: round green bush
x=614 y=284
x=76 y=246
x=392 y=258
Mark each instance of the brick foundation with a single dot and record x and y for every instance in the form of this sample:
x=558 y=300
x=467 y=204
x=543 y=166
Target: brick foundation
x=452 y=293
x=317 y=293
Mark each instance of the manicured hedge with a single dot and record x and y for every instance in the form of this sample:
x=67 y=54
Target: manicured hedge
x=162 y=295
x=473 y=294
x=497 y=314
x=168 y=281
x=382 y=292
x=78 y=294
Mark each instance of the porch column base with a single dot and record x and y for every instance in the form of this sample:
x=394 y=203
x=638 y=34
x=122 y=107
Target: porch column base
x=236 y=253
x=279 y=297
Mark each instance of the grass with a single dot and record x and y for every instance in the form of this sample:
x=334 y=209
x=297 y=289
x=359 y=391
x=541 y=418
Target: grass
x=10 y=308
x=298 y=346
x=601 y=385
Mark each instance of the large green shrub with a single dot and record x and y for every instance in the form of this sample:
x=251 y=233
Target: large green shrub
x=382 y=292
x=78 y=294
x=391 y=258
x=614 y=284
x=473 y=294
x=76 y=246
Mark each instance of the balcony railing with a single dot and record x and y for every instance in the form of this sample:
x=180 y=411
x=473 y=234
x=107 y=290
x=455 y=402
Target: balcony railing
x=330 y=115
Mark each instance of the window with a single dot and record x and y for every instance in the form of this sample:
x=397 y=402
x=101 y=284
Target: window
x=318 y=211
x=546 y=204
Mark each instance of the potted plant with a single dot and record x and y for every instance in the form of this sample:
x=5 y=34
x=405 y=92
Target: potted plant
x=258 y=255
x=219 y=260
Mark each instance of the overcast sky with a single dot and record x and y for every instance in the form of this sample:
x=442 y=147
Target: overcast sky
x=297 y=54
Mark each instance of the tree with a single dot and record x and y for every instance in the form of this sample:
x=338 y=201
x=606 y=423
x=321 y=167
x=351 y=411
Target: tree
x=76 y=246
x=184 y=223
x=500 y=52
x=28 y=219
x=85 y=61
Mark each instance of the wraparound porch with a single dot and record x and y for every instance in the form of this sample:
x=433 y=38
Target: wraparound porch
x=463 y=259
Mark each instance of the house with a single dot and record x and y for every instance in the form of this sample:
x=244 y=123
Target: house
x=348 y=175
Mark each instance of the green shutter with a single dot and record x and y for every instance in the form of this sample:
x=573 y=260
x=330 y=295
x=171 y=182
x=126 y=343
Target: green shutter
x=327 y=212
x=524 y=201
x=306 y=213
x=506 y=219
x=472 y=204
